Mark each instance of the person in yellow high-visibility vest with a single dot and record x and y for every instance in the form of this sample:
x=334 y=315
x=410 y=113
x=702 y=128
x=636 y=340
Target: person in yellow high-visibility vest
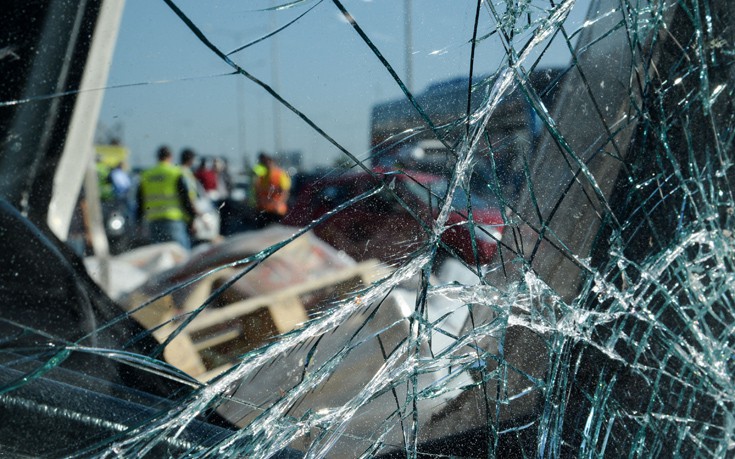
x=107 y=190
x=164 y=201
x=271 y=189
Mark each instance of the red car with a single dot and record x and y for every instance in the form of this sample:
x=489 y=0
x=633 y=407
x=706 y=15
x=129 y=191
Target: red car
x=384 y=228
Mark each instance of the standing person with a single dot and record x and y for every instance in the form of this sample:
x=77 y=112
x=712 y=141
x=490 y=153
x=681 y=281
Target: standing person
x=224 y=181
x=271 y=189
x=120 y=181
x=164 y=201
x=207 y=176
x=187 y=166
x=104 y=181
x=186 y=162
x=117 y=210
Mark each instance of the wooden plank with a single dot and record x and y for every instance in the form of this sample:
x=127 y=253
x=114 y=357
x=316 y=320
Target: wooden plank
x=285 y=309
x=208 y=319
x=154 y=314
x=203 y=288
x=240 y=308
x=180 y=352
x=373 y=271
x=217 y=339
x=288 y=314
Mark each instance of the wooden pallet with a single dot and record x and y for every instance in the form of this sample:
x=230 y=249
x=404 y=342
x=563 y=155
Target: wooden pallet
x=212 y=342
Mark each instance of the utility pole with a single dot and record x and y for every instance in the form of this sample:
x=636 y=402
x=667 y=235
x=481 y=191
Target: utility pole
x=240 y=104
x=409 y=45
x=274 y=85
x=241 y=118
x=241 y=111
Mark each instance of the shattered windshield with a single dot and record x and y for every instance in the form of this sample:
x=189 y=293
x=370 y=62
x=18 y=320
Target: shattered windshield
x=506 y=229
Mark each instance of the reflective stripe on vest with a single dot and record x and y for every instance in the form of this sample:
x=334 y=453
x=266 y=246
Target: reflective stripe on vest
x=159 y=188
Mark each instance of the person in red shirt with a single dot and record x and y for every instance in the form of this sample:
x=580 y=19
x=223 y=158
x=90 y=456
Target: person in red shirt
x=207 y=175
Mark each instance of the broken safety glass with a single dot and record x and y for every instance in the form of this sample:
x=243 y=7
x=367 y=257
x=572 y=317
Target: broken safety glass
x=510 y=231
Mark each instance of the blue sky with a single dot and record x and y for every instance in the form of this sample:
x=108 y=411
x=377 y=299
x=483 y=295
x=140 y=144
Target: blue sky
x=184 y=97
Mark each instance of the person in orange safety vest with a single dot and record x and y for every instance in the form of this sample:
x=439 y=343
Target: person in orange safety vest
x=271 y=189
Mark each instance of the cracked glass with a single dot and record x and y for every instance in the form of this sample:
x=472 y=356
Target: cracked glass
x=510 y=233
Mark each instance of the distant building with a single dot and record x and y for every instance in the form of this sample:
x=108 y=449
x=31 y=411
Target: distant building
x=397 y=123
x=399 y=135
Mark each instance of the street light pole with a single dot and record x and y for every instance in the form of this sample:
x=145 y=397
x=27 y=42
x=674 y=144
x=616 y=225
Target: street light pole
x=239 y=36
x=409 y=45
x=240 y=104
x=275 y=84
